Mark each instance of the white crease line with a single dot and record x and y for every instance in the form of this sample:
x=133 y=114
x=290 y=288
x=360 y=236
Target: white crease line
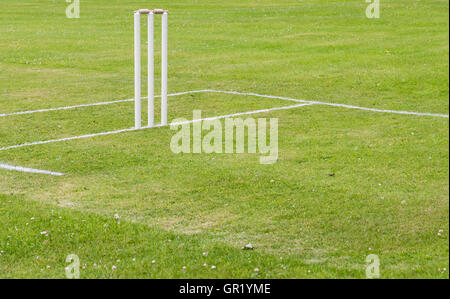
x=63 y=108
x=242 y=113
x=66 y=139
x=30 y=170
x=236 y=93
x=157 y=126
x=328 y=104
x=90 y=105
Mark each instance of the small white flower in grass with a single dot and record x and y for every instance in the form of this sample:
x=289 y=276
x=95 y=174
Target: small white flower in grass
x=153 y=262
x=113 y=267
x=248 y=247
x=118 y=261
x=205 y=254
x=439 y=234
x=133 y=259
x=441 y=230
x=256 y=270
x=48 y=267
x=184 y=268
x=116 y=216
x=95 y=265
x=213 y=267
x=32 y=218
x=83 y=220
x=44 y=233
x=205 y=265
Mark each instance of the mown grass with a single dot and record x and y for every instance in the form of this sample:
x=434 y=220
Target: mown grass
x=347 y=183
x=36 y=239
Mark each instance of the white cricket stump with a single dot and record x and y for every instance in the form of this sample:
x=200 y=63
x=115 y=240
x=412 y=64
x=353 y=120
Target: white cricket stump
x=137 y=70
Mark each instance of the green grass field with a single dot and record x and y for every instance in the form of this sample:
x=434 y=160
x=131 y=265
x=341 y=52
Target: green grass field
x=348 y=183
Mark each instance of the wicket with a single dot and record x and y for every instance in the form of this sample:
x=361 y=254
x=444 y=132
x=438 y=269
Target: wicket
x=151 y=66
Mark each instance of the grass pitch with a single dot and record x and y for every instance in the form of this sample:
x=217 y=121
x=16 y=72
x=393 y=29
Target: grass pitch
x=348 y=183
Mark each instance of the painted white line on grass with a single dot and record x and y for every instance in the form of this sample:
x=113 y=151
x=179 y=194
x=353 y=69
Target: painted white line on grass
x=242 y=113
x=328 y=104
x=65 y=139
x=63 y=108
x=29 y=170
x=236 y=93
x=91 y=104
x=156 y=126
